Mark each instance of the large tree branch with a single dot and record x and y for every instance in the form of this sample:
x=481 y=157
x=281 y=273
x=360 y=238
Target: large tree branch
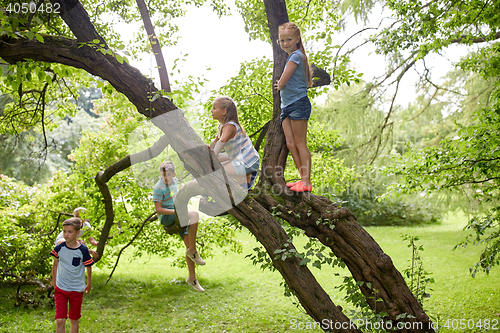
x=123 y=77
x=78 y=20
x=298 y=277
x=477 y=39
x=155 y=45
x=349 y=241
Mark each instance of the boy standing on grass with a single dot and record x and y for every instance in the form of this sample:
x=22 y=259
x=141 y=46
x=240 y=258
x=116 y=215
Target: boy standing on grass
x=85 y=227
x=68 y=275
x=163 y=196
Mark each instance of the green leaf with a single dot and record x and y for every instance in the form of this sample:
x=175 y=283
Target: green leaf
x=155 y=97
x=39 y=38
x=41 y=75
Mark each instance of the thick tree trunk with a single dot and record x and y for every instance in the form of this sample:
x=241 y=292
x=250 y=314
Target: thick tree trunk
x=348 y=240
x=298 y=277
x=358 y=250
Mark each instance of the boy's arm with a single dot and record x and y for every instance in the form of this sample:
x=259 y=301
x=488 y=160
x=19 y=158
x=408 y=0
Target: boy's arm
x=160 y=210
x=54 y=271
x=89 y=279
x=287 y=74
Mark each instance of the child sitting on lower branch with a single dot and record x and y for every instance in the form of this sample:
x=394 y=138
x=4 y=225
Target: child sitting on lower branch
x=164 y=193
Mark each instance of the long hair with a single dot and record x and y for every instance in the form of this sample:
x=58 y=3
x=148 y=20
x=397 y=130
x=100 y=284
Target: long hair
x=295 y=29
x=225 y=102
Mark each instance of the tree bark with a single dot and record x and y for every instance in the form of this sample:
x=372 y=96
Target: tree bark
x=300 y=280
x=356 y=248
x=155 y=45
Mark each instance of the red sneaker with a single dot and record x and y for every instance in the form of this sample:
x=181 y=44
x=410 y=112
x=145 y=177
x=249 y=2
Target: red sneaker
x=292 y=184
x=300 y=187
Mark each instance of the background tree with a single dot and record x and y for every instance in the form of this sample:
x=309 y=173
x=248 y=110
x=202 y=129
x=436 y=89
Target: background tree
x=466 y=159
x=442 y=117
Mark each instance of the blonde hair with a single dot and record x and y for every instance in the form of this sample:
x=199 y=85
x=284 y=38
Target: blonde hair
x=296 y=30
x=76 y=212
x=227 y=103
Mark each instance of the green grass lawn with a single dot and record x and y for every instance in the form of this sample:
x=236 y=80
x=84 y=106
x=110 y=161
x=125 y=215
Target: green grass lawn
x=455 y=295
x=149 y=295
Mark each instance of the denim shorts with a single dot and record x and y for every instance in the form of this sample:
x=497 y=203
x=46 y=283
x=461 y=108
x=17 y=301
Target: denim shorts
x=298 y=110
x=253 y=167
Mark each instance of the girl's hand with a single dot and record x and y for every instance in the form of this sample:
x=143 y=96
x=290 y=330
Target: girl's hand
x=277 y=85
x=94 y=255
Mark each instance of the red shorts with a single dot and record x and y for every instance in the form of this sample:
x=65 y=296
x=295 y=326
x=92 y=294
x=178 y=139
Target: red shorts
x=62 y=298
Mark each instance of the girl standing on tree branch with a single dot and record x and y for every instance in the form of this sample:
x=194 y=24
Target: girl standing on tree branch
x=295 y=105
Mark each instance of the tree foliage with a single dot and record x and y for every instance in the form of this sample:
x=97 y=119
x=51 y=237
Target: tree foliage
x=116 y=202
x=467 y=160
x=434 y=25
x=469 y=163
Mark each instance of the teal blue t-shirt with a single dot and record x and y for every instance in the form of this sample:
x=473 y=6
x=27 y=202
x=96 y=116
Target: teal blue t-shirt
x=165 y=194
